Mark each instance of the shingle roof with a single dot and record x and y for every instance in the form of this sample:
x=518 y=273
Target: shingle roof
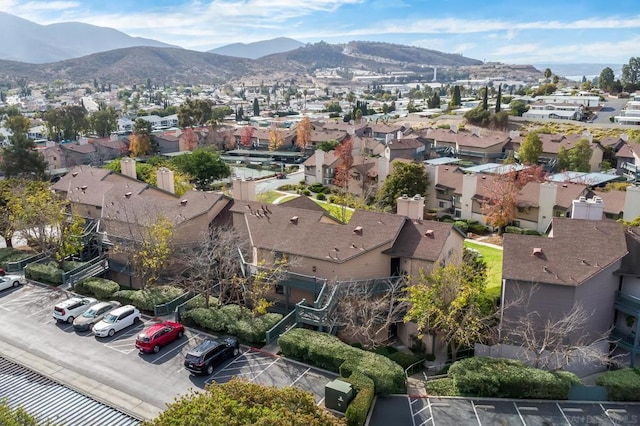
x=307 y=233
x=631 y=263
x=423 y=240
x=578 y=250
x=466 y=138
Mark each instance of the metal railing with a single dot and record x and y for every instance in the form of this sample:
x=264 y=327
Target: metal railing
x=90 y=269
x=285 y=324
x=169 y=307
x=18 y=266
x=626 y=302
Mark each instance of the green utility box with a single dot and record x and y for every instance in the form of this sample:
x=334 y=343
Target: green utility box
x=337 y=395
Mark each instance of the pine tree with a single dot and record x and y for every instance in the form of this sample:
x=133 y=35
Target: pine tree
x=499 y=99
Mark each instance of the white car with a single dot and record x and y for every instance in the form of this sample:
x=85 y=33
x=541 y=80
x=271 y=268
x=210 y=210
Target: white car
x=8 y=281
x=116 y=320
x=70 y=309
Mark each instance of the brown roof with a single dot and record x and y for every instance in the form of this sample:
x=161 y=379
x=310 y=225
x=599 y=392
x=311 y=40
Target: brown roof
x=423 y=240
x=385 y=128
x=466 y=138
x=450 y=176
x=578 y=250
x=330 y=159
x=406 y=143
x=303 y=232
x=81 y=149
x=630 y=264
x=302 y=203
x=327 y=135
x=613 y=200
x=567 y=192
x=346 y=127
x=627 y=150
x=551 y=143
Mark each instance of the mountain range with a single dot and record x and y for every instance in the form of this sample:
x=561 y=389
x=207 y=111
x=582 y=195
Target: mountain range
x=26 y=41
x=258 y=49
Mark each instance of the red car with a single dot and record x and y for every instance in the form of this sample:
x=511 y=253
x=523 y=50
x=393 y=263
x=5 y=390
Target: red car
x=154 y=337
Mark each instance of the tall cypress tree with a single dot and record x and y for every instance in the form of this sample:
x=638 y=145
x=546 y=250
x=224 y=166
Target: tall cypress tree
x=499 y=99
x=485 y=98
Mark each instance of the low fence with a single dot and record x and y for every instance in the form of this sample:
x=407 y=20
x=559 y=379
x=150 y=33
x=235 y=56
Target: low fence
x=18 y=266
x=90 y=269
x=170 y=307
x=277 y=330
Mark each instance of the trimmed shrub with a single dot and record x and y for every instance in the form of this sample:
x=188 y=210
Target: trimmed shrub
x=321 y=196
x=461 y=225
x=306 y=192
x=358 y=409
x=232 y=319
x=198 y=302
x=506 y=378
x=403 y=359
x=147 y=299
x=477 y=228
x=70 y=265
x=530 y=232
x=622 y=385
x=44 y=272
x=513 y=230
x=442 y=387
x=316 y=187
x=327 y=351
x=98 y=287
x=10 y=254
x=385 y=350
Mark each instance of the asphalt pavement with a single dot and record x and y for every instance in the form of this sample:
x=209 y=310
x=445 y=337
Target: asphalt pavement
x=113 y=371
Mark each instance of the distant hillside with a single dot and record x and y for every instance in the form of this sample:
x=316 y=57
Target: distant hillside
x=364 y=55
x=26 y=41
x=135 y=65
x=259 y=48
x=174 y=65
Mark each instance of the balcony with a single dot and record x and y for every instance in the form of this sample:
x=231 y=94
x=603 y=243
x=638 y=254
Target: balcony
x=627 y=304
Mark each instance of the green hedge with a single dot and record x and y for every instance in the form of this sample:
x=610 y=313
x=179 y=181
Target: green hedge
x=513 y=230
x=461 y=225
x=98 y=287
x=506 y=378
x=622 y=385
x=234 y=320
x=531 y=232
x=10 y=254
x=358 y=409
x=44 y=272
x=327 y=351
x=405 y=360
x=477 y=228
x=147 y=299
x=441 y=387
x=198 y=302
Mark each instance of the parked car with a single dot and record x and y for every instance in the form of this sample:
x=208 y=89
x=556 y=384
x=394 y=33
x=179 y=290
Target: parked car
x=95 y=313
x=116 y=320
x=204 y=357
x=153 y=338
x=70 y=309
x=8 y=281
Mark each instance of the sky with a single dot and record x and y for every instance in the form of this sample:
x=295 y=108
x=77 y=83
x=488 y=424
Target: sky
x=508 y=31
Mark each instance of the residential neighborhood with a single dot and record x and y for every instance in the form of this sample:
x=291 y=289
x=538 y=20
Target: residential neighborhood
x=364 y=234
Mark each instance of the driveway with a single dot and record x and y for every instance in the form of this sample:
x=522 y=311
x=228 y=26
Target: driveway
x=26 y=315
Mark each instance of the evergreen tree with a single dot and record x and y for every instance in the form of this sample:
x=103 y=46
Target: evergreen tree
x=20 y=158
x=499 y=99
x=456 y=100
x=485 y=98
x=256 y=108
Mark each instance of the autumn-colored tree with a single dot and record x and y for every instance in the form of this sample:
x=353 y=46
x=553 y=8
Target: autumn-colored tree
x=247 y=135
x=502 y=192
x=140 y=140
x=275 y=138
x=189 y=139
x=303 y=134
x=344 y=153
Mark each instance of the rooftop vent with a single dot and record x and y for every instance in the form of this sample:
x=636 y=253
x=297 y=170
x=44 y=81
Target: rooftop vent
x=128 y=194
x=294 y=220
x=405 y=197
x=183 y=202
x=428 y=233
x=537 y=251
x=358 y=230
x=83 y=187
x=564 y=185
x=74 y=174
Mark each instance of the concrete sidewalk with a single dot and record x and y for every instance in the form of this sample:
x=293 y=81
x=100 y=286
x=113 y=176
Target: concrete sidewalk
x=82 y=384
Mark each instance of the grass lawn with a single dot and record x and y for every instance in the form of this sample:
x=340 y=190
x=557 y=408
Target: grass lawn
x=493 y=257
x=335 y=210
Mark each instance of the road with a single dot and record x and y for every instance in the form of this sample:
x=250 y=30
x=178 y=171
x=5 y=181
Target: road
x=272 y=184
x=157 y=379
x=611 y=108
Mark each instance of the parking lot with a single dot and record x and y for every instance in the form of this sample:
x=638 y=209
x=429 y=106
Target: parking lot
x=26 y=313
x=412 y=411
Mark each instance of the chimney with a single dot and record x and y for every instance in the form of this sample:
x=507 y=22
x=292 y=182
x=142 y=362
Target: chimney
x=588 y=135
x=411 y=207
x=432 y=197
x=584 y=208
x=631 y=203
x=128 y=167
x=454 y=128
x=383 y=169
x=400 y=135
x=320 y=155
x=388 y=138
x=469 y=189
x=514 y=134
x=546 y=201
x=83 y=140
x=244 y=190
x=165 y=180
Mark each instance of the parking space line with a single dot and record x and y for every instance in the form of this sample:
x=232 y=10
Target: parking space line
x=476 y=413
x=216 y=376
x=433 y=421
x=413 y=416
x=180 y=346
x=519 y=414
x=321 y=401
x=277 y=359
x=48 y=308
x=563 y=415
x=300 y=376
x=606 y=413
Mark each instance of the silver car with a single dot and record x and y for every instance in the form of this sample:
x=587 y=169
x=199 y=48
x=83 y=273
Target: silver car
x=94 y=314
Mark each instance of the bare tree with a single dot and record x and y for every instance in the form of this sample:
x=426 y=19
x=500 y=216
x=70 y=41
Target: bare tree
x=366 y=309
x=212 y=267
x=552 y=342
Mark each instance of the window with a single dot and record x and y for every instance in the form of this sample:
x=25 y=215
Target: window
x=279 y=289
x=458 y=213
x=516 y=223
x=441 y=204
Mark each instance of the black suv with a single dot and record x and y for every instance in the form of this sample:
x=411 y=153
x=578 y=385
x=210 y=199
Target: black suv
x=204 y=357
